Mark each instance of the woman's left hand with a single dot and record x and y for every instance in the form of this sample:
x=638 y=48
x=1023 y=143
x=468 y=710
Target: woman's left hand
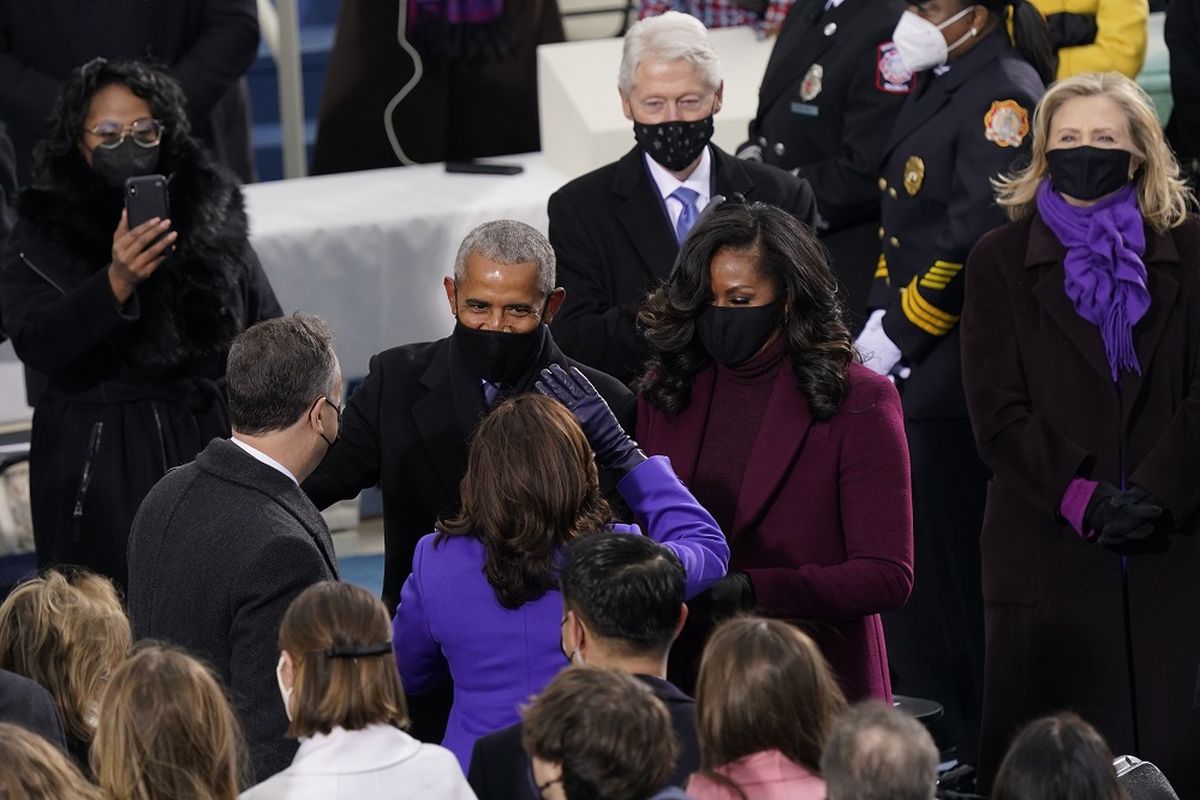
x=613 y=446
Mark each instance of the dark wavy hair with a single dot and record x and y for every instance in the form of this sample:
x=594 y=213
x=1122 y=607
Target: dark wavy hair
x=815 y=333
x=531 y=486
x=1029 y=35
x=57 y=161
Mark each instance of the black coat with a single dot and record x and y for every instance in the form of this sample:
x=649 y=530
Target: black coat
x=1181 y=32
x=407 y=427
x=938 y=202
x=615 y=245
x=1045 y=409
x=131 y=392
x=218 y=551
x=831 y=91
x=209 y=45
x=500 y=768
x=26 y=703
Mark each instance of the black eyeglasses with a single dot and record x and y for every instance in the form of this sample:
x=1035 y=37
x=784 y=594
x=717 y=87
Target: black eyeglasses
x=145 y=132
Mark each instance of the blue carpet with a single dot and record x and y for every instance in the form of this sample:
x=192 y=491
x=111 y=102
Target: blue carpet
x=365 y=571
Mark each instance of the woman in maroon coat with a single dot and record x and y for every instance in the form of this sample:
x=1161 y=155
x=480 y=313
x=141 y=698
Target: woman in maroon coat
x=797 y=450
x=1081 y=363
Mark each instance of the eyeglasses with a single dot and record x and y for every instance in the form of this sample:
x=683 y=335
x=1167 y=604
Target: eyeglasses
x=144 y=132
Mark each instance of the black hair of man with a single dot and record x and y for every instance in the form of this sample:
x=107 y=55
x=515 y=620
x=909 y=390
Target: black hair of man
x=627 y=589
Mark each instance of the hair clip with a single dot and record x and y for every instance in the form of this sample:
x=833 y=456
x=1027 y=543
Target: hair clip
x=354 y=651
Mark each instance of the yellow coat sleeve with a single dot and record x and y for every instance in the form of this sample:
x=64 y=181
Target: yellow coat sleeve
x=1120 y=36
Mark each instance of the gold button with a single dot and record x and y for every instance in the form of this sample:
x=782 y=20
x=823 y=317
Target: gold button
x=882 y=184
x=892 y=192
x=881 y=233
x=894 y=242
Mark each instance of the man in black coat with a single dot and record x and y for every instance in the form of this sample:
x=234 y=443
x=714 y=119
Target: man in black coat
x=26 y=703
x=221 y=546
x=622 y=609
x=408 y=424
x=617 y=230
x=832 y=89
x=208 y=44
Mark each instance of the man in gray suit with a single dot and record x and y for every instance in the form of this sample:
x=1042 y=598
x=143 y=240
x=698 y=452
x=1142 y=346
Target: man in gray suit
x=221 y=546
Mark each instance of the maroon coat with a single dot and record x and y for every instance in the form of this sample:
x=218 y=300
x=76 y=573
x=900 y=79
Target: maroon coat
x=1045 y=409
x=823 y=525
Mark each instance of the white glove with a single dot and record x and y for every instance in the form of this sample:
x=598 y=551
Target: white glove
x=878 y=352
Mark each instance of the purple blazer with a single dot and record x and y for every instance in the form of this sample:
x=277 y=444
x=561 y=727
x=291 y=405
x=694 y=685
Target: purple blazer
x=448 y=622
x=823 y=524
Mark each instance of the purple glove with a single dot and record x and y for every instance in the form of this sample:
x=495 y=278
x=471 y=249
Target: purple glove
x=614 y=448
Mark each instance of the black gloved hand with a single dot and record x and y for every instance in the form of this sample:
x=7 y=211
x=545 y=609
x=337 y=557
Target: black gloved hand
x=614 y=448
x=1125 y=521
x=732 y=595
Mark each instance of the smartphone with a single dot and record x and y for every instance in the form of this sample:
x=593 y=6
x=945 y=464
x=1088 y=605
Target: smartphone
x=145 y=199
x=475 y=168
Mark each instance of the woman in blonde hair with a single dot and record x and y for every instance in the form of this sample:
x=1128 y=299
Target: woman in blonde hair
x=166 y=731
x=1081 y=363
x=765 y=702
x=36 y=770
x=341 y=690
x=68 y=633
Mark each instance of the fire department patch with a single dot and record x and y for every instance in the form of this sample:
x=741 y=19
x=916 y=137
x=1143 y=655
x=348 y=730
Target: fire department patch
x=810 y=87
x=890 y=73
x=1006 y=123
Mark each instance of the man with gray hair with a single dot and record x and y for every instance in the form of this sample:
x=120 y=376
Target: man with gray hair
x=408 y=424
x=876 y=752
x=617 y=230
x=221 y=546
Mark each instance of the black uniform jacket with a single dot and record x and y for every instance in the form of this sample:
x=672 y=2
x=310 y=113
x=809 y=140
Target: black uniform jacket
x=615 y=245
x=500 y=768
x=407 y=427
x=956 y=132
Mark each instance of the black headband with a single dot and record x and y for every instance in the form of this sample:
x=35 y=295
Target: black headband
x=354 y=651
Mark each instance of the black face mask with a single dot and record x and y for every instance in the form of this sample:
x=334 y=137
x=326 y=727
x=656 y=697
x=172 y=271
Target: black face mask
x=498 y=357
x=1086 y=173
x=126 y=160
x=732 y=335
x=675 y=145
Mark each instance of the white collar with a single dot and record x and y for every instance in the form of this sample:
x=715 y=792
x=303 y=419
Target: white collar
x=833 y=4
x=700 y=181
x=259 y=455
x=341 y=751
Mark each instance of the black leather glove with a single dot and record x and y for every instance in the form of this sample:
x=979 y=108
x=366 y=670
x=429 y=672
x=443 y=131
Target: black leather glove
x=615 y=449
x=728 y=597
x=1126 y=521
x=1071 y=30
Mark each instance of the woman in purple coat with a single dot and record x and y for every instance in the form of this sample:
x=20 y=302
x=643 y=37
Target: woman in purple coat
x=797 y=450
x=482 y=604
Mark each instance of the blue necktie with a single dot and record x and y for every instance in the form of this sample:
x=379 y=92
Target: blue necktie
x=491 y=393
x=687 y=218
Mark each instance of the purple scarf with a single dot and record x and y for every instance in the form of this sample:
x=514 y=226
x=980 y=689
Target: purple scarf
x=1105 y=276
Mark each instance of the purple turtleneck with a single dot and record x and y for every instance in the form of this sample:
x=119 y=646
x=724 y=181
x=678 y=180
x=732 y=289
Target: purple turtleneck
x=739 y=400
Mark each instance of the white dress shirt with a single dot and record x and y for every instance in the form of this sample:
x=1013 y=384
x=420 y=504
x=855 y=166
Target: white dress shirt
x=259 y=455
x=700 y=181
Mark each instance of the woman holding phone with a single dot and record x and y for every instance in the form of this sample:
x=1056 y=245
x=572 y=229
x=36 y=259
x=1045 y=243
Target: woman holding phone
x=129 y=325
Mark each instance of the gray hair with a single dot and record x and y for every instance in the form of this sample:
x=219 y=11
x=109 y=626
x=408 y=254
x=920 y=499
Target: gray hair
x=876 y=752
x=669 y=37
x=507 y=241
x=277 y=369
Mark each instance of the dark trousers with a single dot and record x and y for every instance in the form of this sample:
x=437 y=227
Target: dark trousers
x=935 y=643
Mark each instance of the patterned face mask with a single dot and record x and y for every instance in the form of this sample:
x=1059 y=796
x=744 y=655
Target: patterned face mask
x=675 y=145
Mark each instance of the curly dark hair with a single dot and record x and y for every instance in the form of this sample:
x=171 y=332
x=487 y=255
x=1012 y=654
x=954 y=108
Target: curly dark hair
x=57 y=160
x=815 y=334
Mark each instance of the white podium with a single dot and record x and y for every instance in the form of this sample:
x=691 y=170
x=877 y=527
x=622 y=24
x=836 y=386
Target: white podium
x=582 y=124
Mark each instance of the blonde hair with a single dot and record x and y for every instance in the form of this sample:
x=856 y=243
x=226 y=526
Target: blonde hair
x=167 y=730
x=336 y=691
x=36 y=770
x=1162 y=196
x=68 y=634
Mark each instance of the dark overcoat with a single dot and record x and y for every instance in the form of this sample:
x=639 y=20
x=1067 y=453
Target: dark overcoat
x=823 y=525
x=615 y=244
x=131 y=391
x=219 y=550
x=208 y=45
x=1045 y=409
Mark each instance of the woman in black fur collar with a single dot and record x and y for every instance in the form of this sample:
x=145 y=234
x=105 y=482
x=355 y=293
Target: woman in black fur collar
x=132 y=336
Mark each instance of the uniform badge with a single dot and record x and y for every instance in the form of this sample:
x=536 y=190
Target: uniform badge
x=891 y=75
x=810 y=87
x=1006 y=123
x=914 y=174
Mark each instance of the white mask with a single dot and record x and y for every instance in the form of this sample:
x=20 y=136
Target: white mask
x=920 y=42
x=284 y=691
